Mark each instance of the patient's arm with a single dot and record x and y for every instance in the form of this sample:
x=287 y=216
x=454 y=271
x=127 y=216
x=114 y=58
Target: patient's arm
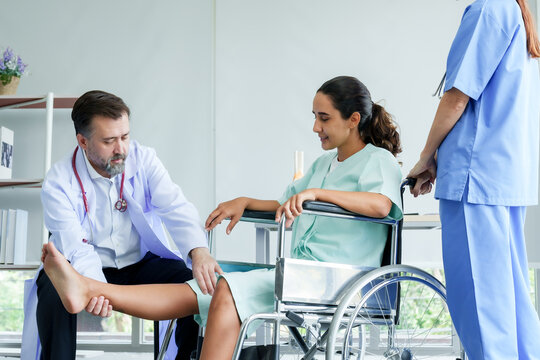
x=364 y=203
x=234 y=209
x=154 y=301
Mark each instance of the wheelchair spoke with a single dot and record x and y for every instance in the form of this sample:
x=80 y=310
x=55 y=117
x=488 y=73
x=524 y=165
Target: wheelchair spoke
x=405 y=296
x=412 y=336
x=422 y=329
x=427 y=332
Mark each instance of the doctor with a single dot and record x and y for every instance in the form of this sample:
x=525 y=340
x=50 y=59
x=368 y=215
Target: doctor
x=104 y=205
x=483 y=150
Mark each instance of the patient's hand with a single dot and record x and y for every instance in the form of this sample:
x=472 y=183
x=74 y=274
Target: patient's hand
x=293 y=207
x=232 y=209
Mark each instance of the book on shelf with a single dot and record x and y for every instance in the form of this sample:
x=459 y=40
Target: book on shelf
x=13 y=236
x=3 y=235
x=6 y=152
x=21 y=231
x=10 y=236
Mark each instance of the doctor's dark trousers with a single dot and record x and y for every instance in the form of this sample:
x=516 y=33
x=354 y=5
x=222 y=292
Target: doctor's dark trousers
x=57 y=328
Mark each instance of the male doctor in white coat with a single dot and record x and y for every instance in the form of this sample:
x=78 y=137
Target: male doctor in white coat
x=104 y=205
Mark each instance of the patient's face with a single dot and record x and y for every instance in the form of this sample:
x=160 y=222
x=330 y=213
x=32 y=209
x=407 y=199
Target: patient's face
x=333 y=130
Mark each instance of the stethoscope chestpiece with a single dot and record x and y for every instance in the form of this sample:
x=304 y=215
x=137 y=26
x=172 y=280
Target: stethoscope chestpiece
x=121 y=205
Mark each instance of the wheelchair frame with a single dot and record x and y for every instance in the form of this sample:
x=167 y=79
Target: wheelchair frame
x=298 y=305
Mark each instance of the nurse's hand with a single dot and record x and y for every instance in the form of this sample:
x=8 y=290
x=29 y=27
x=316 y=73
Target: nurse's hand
x=232 y=209
x=425 y=172
x=293 y=207
x=99 y=306
x=204 y=269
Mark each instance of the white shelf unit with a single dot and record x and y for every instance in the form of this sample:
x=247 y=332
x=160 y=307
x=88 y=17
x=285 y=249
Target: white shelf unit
x=48 y=102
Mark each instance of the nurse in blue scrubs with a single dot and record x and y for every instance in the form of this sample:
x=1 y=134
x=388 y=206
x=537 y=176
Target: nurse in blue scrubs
x=483 y=149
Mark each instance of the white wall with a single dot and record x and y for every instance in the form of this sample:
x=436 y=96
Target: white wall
x=272 y=57
x=268 y=58
x=157 y=56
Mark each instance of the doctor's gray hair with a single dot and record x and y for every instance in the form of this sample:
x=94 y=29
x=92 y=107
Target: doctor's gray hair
x=96 y=103
x=350 y=95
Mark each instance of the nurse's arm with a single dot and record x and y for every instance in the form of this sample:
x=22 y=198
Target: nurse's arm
x=451 y=107
x=365 y=203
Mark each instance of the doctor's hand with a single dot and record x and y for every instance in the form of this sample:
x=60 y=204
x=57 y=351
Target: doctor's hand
x=99 y=306
x=293 y=207
x=204 y=269
x=232 y=209
x=425 y=172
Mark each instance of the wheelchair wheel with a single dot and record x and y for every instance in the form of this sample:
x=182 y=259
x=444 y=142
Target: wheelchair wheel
x=399 y=312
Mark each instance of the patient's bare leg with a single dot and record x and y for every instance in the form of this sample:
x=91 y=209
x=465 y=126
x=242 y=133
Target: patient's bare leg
x=223 y=325
x=155 y=301
x=70 y=285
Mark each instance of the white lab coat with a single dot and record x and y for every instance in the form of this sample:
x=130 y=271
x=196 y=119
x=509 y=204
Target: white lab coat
x=152 y=199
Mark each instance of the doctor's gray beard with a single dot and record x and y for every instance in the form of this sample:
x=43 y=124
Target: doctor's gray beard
x=114 y=170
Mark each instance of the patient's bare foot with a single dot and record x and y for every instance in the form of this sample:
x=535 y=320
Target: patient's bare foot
x=69 y=284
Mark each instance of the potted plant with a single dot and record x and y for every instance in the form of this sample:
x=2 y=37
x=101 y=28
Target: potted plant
x=11 y=69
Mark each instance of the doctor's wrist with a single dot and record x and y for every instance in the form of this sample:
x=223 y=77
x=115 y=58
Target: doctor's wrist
x=196 y=250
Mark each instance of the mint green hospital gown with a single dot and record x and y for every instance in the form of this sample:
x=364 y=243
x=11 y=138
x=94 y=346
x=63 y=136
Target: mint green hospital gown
x=371 y=169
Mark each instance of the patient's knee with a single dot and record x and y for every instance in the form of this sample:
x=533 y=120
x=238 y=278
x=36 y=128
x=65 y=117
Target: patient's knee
x=222 y=296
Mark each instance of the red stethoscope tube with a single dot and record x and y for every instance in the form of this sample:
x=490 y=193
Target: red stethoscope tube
x=120 y=205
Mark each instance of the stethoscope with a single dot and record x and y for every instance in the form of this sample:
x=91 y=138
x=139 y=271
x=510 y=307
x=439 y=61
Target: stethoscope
x=439 y=91
x=121 y=203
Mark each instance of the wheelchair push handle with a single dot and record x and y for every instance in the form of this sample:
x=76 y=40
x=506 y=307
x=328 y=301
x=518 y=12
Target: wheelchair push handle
x=410 y=181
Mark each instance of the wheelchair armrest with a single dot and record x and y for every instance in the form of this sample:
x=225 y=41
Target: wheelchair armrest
x=256 y=216
x=330 y=209
x=320 y=208
x=324 y=209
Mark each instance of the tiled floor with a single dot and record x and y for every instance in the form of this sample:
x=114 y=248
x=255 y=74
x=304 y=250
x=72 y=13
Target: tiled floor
x=149 y=356
x=101 y=355
x=94 y=355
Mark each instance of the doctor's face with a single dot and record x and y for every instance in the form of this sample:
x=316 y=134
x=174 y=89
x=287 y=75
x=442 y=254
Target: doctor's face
x=108 y=144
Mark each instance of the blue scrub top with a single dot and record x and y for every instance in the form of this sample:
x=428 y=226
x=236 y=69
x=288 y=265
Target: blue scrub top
x=494 y=145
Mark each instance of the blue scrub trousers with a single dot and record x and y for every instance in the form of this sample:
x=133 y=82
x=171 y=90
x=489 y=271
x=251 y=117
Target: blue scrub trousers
x=485 y=264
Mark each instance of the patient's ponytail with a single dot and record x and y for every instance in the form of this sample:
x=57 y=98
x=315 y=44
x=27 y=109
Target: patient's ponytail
x=382 y=131
x=376 y=126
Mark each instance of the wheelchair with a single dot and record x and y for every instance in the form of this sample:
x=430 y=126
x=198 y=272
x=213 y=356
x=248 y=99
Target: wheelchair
x=394 y=312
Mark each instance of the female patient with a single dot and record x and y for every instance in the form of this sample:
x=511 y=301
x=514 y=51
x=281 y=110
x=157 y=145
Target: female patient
x=362 y=176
